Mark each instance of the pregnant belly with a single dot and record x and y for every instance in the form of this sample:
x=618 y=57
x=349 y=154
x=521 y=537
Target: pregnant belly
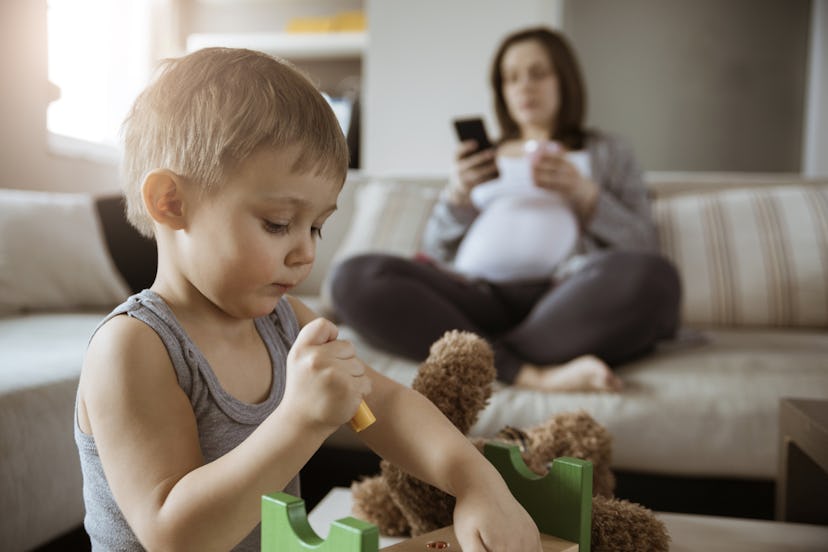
x=518 y=238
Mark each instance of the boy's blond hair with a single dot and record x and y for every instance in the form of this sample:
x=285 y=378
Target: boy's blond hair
x=209 y=110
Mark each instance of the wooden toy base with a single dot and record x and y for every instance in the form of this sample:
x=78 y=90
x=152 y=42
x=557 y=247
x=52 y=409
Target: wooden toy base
x=446 y=535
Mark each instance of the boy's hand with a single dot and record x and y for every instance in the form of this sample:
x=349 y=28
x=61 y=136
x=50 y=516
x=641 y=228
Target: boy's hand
x=490 y=522
x=326 y=380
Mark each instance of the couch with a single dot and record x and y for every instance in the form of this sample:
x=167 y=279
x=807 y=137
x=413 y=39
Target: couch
x=752 y=250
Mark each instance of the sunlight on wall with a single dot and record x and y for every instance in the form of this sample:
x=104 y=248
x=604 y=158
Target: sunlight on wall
x=99 y=57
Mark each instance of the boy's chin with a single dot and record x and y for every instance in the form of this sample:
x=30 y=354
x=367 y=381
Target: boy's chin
x=251 y=306
x=264 y=305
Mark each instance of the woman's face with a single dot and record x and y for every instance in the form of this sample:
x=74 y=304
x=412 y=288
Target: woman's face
x=530 y=88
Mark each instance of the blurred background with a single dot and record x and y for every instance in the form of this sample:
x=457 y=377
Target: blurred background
x=695 y=85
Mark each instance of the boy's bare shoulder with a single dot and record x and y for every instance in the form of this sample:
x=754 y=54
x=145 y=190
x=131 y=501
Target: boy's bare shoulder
x=125 y=347
x=123 y=334
x=127 y=379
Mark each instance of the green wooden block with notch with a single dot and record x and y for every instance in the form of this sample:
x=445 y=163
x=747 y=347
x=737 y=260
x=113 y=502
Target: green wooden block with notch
x=559 y=502
x=285 y=528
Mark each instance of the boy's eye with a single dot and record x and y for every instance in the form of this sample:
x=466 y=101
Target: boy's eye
x=280 y=228
x=275 y=227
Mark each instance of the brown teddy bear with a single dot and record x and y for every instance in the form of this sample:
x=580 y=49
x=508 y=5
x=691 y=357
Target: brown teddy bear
x=457 y=377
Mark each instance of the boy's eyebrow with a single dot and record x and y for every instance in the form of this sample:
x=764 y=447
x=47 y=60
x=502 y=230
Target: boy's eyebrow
x=298 y=201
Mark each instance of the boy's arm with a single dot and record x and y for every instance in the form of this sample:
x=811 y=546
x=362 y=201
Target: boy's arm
x=412 y=433
x=146 y=435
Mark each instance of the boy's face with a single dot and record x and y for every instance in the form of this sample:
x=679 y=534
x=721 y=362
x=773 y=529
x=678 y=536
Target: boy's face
x=254 y=239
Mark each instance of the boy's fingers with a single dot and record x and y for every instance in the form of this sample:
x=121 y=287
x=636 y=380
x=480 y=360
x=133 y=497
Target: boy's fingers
x=354 y=367
x=473 y=544
x=317 y=332
x=359 y=382
x=341 y=350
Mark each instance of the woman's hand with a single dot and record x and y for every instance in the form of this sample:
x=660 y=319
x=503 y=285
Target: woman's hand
x=551 y=170
x=470 y=169
x=489 y=522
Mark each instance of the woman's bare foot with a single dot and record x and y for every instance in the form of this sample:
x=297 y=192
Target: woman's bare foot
x=585 y=373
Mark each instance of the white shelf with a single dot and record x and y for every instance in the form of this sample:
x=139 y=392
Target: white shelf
x=288 y=45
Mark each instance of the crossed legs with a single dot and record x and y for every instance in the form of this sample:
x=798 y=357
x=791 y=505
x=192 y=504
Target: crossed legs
x=556 y=337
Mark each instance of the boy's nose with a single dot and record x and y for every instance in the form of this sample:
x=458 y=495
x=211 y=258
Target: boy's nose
x=303 y=252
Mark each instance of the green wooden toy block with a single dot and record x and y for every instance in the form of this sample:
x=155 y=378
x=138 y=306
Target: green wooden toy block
x=560 y=502
x=285 y=528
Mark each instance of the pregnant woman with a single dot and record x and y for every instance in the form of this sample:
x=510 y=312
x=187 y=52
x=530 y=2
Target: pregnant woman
x=543 y=244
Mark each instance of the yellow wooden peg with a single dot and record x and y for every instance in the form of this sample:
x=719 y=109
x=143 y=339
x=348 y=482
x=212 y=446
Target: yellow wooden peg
x=363 y=418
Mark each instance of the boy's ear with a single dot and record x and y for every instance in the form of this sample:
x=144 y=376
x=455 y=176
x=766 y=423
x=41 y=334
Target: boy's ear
x=164 y=198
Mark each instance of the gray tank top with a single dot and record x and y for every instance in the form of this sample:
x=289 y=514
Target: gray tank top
x=223 y=421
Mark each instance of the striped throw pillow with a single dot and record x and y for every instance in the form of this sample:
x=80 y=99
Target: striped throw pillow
x=750 y=257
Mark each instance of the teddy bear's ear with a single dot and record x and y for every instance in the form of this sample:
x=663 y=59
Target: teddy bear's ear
x=457 y=376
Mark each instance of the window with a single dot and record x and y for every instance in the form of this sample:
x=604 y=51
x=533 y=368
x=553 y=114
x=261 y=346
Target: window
x=100 y=57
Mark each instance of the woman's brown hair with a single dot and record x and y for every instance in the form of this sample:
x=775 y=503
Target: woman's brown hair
x=568 y=127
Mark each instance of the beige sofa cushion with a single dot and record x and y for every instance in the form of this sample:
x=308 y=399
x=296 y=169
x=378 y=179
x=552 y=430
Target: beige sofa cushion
x=751 y=257
x=53 y=255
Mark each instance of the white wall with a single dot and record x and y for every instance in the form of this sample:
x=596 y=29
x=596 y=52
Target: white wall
x=815 y=152
x=428 y=62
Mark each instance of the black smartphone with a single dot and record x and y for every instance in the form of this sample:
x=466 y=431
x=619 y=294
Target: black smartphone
x=473 y=129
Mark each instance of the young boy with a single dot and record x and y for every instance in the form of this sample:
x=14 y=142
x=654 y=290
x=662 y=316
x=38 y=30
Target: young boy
x=214 y=386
